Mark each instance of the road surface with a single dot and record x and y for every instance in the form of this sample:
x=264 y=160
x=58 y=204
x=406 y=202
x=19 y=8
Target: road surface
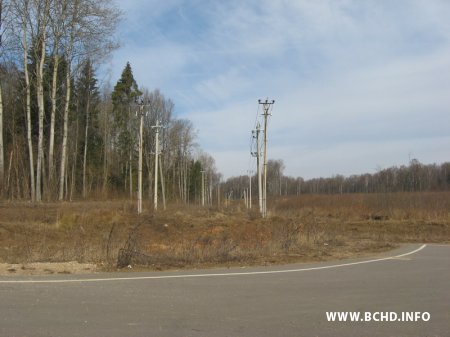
x=277 y=301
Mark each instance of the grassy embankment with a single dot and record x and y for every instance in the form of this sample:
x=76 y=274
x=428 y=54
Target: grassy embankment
x=305 y=228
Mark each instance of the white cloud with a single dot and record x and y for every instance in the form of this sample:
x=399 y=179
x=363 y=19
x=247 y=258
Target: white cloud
x=223 y=87
x=364 y=81
x=153 y=67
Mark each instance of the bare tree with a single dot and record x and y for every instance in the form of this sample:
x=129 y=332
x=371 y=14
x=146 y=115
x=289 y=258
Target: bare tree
x=21 y=11
x=68 y=54
x=275 y=170
x=57 y=23
x=89 y=33
x=42 y=12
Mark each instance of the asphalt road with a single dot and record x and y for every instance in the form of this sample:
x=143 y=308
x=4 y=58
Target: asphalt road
x=277 y=301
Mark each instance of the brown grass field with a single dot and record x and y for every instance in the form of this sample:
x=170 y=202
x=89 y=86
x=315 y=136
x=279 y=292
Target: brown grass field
x=306 y=228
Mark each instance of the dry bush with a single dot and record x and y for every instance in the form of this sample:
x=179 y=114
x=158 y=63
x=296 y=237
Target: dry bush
x=56 y=232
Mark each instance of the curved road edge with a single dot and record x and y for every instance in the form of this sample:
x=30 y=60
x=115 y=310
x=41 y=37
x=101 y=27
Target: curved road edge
x=321 y=266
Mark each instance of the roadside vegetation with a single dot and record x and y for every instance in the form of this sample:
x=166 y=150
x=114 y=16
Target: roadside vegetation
x=305 y=228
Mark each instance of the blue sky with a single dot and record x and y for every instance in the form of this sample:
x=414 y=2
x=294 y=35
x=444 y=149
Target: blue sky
x=358 y=85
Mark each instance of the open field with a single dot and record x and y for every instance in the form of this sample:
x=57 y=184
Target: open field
x=111 y=235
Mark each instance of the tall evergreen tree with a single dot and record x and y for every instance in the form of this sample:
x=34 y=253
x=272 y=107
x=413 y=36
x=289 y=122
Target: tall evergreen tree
x=195 y=186
x=125 y=93
x=88 y=97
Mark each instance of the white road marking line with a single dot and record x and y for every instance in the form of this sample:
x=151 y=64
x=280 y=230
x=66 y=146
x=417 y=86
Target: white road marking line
x=213 y=274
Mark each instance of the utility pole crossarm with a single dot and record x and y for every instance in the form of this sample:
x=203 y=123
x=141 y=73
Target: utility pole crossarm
x=250 y=189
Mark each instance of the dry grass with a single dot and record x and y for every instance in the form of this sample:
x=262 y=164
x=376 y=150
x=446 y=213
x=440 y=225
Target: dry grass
x=396 y=217
x=305 y=228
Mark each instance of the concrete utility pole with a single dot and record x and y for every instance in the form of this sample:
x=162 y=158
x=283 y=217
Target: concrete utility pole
x=257 y=154
x=228 y=197
x=155 y=198
x=266 y=107
x=210 y=201
x=203 y=187
x=218 y=195
x=141 y=142
x=163 y=188
x=250 y=189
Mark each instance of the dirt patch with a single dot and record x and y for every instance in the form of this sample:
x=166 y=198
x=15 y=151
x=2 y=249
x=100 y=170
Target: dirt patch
x=42 y=268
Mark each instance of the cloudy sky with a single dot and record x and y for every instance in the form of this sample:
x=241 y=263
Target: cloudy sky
x=358 y=85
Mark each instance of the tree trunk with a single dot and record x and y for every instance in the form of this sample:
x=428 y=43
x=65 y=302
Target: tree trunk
x=41 y=108
x=131 y=178
x=69 y=56
x=186 y=181
x=105 y=152
x=28 y=109
x=150 y=175
x=163 y=188
x=2 y=158
x=52 y=120
x=9 y=173
x=86 y=130
x=74 y=165
x=65 y=129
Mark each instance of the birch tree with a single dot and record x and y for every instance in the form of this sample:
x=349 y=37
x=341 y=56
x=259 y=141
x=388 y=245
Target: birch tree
x=89 y=34
x=58 y=20
x=21 y=11
x=68 y=55
x=42 y=13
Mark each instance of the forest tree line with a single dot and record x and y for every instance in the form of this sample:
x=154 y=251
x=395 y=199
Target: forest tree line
x=64 y=137
x=415 y=177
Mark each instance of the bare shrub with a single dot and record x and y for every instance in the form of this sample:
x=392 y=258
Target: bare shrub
x=130 y=249
x=287 y=234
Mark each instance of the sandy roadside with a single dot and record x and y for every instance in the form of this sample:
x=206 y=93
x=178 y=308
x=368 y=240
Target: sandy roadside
x=46 y=268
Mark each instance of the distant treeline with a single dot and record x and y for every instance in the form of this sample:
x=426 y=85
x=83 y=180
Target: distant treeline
x=415 y=177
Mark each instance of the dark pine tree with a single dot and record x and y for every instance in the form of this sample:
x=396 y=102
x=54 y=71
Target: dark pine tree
x=125 y=93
